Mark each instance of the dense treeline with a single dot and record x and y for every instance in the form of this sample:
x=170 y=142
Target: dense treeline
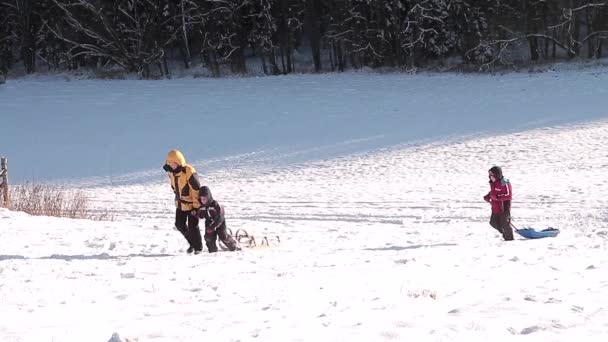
x=285 y=36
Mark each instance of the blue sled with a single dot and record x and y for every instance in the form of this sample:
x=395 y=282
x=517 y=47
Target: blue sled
x=531 y=233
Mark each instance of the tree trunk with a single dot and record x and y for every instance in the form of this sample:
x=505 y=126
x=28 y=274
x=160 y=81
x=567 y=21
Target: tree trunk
x=264 y=68
x=530 y=15
x=215 y=66
x=283 y=66
x=273 y=62
x=238 y=61
x=186 y=44
x=340 y=56
x=28 y=39
x=590 y=26
x=533 y=42
x=28 y=52
x=576 y=34
x=166 y=65
x=545 y=23
x=289 y=56
x=554 y=52
x=313 y=16
x=332 y=52
x=211 y=61
x=285 y=38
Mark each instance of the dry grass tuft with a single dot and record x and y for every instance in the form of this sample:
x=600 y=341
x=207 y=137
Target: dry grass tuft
x=46 y=200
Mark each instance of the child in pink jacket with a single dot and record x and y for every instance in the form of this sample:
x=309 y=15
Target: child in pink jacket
x=500 y=196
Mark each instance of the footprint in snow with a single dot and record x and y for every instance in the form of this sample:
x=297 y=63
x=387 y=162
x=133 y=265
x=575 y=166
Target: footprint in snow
x=390 y=335
x=529 y=330
x=577 y=308
x=402 y=324
x=255 y=333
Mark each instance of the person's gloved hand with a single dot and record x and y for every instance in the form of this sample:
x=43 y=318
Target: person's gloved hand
x=493 y=198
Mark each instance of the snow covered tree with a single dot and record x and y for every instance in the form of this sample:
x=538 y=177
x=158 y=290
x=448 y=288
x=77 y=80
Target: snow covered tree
x=357 y=33
x=262 y=33
x=8 y=36
x=131 y=33
x=549 y=28
x=441 y=28
x=139 y=34
x=220 y=27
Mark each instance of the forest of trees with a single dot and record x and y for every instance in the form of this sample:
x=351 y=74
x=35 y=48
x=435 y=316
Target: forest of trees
x=148 y=37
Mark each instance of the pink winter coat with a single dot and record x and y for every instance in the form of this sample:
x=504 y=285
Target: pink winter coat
x=500 y=196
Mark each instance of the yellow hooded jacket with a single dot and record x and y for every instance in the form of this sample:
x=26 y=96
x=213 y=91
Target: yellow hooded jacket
x=184 y=182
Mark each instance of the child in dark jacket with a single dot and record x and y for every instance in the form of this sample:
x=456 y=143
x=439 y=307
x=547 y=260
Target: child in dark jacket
x=500 y=196
x=215 y=223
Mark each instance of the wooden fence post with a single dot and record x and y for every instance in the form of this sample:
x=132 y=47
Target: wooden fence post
x=4 y=182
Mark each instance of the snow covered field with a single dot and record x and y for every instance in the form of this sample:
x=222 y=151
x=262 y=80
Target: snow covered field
x=383 y=226
x=108 y=130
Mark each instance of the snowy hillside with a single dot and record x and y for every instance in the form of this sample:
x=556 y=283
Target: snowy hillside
x=382 y=242
x=119 y=131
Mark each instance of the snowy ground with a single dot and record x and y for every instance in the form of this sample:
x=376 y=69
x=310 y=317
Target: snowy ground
x=389 y=244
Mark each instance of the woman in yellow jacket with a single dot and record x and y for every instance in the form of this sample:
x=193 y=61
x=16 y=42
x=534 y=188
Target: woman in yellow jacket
x=185 y=185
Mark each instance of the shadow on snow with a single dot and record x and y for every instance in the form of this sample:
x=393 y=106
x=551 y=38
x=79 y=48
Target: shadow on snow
x=102 y=256
x=400 y=248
